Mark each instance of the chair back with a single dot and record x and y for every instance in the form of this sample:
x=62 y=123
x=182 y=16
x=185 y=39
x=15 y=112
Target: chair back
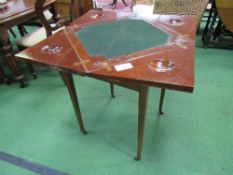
x=77 y=8
x=180 y=7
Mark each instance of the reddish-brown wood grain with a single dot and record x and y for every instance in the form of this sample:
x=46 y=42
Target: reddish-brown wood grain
x=75 y=59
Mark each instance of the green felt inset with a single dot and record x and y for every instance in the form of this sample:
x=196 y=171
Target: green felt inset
x=115 y=38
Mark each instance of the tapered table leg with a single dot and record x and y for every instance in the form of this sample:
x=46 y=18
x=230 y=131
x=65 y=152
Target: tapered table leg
x=142 y=106
x=162 y=93
x=68 y=80
x=112 y=90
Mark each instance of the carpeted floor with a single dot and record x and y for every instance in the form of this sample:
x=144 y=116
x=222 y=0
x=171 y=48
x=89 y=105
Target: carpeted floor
x=194 y=137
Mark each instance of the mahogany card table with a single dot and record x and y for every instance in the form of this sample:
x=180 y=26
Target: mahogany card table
x=123 y=49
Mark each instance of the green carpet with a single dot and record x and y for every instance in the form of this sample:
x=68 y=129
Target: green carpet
x=194 y=137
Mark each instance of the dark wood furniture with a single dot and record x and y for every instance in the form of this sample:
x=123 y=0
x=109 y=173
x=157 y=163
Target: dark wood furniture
x=49 y=28
x=17 y=11
x=218 y=31
x=63 y=7
x=138 y=71
x=114 y=2
x=225 y=12
x=82 y=6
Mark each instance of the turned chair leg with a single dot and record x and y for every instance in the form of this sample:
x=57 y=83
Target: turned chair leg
x=12 y=33
x=162 y=93
x=124 y=2
x=32 y=70
x=29 y=65
x=22 y=30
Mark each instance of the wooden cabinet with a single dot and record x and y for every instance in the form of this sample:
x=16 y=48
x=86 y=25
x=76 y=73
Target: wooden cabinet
x=82 y=7
x=63 y=7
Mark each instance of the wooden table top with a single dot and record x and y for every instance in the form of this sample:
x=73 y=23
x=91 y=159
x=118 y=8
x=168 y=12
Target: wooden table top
x=74 y=57
x=18 y=8
x=225 y=12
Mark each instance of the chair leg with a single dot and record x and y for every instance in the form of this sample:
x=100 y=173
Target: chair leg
x=12 y=33
x=22 y=30
x=32 y=70
x=162 y=93
x=29 y=65
x=113 y=2
x=112 y=90
x=124 y=2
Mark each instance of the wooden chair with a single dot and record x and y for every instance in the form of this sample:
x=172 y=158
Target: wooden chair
x=77 y=8
x=29 y=39
x=35 y=22
x=177 y=7
x=42 y=33
x=173 y=7
x=180 y=7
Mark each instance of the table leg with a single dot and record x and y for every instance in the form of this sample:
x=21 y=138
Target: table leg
x=162 y=93
x=112 y=90
x=142 y=106
x=7 y=51
x=68 y=80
